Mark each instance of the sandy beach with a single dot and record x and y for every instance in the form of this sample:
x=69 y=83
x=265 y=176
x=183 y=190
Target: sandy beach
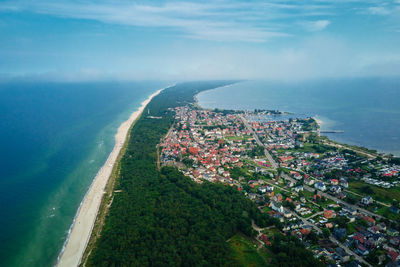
x=318 y=121
x=87 y=213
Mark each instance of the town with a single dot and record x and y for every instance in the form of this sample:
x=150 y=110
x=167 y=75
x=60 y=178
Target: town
x=341 y=202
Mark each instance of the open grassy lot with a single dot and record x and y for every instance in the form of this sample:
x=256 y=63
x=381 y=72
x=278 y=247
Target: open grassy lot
x=237 y=138
x=245 y=251
x=381 y=194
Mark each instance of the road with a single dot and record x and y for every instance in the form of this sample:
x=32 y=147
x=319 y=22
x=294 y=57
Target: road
x=375 y=201
x=334 y=240
x=345 y=190
x=275 y=165
x=267 y=154
x=337 y=200
x=369 y=155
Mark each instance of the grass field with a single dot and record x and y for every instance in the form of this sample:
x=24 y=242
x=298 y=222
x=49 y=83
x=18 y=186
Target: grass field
x=238 y=138
x=381 y=194
x=245 y=251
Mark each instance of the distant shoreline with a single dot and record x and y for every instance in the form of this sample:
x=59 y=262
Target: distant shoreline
x=320 y=122
x=85 y=218
x=325 y=125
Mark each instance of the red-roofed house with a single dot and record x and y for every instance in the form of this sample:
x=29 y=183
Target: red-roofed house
x=334 y=181
x=329 y=214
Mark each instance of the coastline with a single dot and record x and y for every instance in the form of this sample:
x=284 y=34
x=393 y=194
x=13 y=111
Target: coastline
x=318 y=121
x=83 y=223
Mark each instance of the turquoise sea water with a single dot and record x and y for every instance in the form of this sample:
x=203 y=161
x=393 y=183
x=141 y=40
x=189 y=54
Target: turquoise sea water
x=367 y=109
x=54 y=137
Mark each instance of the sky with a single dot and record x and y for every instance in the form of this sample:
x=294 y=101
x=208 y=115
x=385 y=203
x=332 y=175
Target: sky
x=183 y=40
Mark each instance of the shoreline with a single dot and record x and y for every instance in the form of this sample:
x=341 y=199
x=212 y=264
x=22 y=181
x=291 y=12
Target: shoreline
x=320 y=123
x=84 y=220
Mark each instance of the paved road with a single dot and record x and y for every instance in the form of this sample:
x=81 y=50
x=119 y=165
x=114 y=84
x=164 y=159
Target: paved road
x=346 y=190
x=375 y=201
x=315 y=214
x=334 y=240
x=267 y=154
x=305 y=221
x=337 y=200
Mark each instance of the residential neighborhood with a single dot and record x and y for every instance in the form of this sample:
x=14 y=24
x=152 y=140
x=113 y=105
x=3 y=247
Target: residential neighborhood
x=343 y=205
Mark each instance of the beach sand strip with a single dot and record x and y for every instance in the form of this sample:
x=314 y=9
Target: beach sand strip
x=87 y=212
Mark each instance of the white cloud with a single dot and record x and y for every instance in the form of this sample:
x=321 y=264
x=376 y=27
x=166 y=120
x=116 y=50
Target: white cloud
x=314 y=26
x=220 y=20
x=379 y=10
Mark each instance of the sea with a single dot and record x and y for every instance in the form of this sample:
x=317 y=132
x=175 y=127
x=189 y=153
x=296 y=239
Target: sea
x=54 y=137
x=367 y=110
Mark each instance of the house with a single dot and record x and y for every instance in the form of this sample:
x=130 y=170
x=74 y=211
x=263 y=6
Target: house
x=297 y=176
x=329 y=214
x=305 y=231
x=367 y=200
x=278 y=198
x=339 y=233
x=343 y=182
x=270 y=188
x=334 y=181
x=361 y=250
x=262 y=189
x=287 y=214
x=329 y=225
x=349 y=210
x=394 y=255
x=320 y=186
x=335 y=189
x=351 y=218
x=342 y=254
x=392 y=232
x=308 y=181
x=276 y=206
x=359 y=238
x=369 y=220
x=298 y=188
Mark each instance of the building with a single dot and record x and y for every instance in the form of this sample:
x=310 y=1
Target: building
x=329 y=214
x=320 y=186
x=367 y=200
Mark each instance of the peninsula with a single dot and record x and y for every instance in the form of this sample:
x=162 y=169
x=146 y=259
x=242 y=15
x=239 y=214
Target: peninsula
x=237 y=188
x=87 y=212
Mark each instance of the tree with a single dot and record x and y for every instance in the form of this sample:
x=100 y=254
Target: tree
x=367 y=190
x=326 y=232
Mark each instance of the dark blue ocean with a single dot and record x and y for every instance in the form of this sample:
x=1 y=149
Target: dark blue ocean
x=54 y=137
x=366 y=109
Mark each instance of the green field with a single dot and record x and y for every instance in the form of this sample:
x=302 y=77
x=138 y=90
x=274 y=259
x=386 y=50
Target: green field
x=238 y=138
x=381 y=194
x=245 y=252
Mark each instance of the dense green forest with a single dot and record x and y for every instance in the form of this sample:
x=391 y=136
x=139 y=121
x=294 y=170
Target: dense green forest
x=162 y=218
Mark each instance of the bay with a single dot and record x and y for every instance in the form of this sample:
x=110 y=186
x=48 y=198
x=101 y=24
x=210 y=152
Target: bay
x=366 y=109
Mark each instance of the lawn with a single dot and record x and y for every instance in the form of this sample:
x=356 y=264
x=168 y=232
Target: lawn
x=381 y=194
x=384 y=211
x=238 y=138
x=245 y=252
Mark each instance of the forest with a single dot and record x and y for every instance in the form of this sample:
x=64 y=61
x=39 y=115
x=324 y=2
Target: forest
x=162 y=218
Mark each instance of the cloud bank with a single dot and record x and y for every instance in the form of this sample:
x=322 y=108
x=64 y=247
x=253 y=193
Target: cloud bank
x=236 y=39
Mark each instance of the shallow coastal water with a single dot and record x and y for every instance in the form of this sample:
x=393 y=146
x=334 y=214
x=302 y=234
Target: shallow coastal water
x=54 y=137
x=366 y=109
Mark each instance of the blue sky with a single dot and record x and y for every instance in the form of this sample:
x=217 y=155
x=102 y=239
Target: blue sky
x=80 y=40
